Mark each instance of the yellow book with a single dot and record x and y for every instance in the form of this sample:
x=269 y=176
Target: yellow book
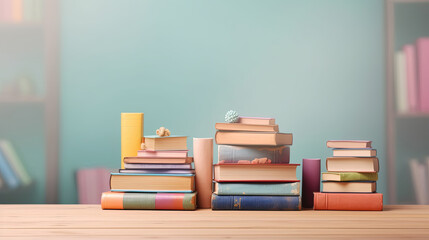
x=131 y=134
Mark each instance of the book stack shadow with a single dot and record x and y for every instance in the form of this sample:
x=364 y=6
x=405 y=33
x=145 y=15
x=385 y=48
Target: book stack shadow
x=159 y=177
x=253 y=170
x=350 y=182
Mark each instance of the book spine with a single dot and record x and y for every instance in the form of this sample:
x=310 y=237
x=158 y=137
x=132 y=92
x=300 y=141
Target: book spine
x=131 y=134
x=258 y=188
x=7 y=173
x=15 y=162
x=149 y=201
x=355 y=176
x=423 y=72
x=410 y=59
x=348 y=201
x=233 y=154
x=401 y=83
x=279 y=203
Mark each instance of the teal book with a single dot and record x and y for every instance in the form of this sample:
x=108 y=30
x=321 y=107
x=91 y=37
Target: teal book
x=349 y=176
x=267 y=203
x=264 y=189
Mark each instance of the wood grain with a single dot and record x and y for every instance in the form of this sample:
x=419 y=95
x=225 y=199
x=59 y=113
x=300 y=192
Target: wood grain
x=89 y=221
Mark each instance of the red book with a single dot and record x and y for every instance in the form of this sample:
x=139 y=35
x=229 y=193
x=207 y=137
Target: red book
x=348 y=201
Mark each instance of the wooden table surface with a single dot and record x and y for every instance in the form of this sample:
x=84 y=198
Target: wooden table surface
x=89 y=221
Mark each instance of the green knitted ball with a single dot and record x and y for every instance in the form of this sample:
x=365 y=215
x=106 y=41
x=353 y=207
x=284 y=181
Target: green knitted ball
x=231 y=116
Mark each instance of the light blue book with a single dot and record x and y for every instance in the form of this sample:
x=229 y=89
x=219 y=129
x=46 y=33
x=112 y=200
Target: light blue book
x=261 y=189
x=7 y=173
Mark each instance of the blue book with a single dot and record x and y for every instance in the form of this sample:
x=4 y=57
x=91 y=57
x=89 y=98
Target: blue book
x=7 y=173
x=273 y=203
x=256 y=189
x=233 y=154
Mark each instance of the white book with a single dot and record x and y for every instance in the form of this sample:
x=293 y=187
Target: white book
x=401 y=83
x=418 y=173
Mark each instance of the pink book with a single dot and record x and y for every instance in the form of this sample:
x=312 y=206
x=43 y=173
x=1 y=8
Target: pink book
x=163 y=154
x=411 y=72
x=423 y=72
x=91 y=183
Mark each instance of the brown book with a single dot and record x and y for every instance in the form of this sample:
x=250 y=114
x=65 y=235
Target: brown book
x=253 y=138
x=157 y=160
x=152 y=183
x=352 y=164
x=255 y=172
x=349 y=187
x=348 y=201
x=348 y=144
x=155 y=143
x=257 y=120
x=363 y=152
x=246 y=127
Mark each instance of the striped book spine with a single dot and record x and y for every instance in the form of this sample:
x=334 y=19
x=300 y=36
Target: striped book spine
x=257 y=188
x=269 y=203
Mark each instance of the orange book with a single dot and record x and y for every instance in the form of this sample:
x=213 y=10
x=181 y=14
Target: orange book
x=17 y=10
x=348 y=201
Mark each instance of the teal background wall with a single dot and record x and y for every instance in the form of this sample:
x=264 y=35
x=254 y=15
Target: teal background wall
x=316 y=66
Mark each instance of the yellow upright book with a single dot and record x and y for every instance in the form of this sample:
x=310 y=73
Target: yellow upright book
x=131 y=134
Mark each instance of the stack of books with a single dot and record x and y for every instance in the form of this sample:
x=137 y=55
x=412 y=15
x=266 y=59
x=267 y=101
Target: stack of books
x=350 y=180
x=13 y=174
x=253 y=170
x=159 y=177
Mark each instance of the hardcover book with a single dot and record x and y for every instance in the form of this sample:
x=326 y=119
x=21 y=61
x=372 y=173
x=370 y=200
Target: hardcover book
x=253 y=138
x=401 y=83
x=267 y=203
x=158 y=160
x=349 y=176
x=133 y=182
x=162 y=154
x=234 y=154
x=155 y=142
x=423 y=72
x=255 y=172
x=257 y=120
x=348 y=201
x=152 y=201
x=157 y=166
x=246 y=127
x=348 y=144
x=349 y=187
x=362 y=152
x=352 y=164
x=158 y=171
x=256 y=189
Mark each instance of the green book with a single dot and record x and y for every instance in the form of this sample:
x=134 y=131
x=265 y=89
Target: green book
x=15 y=162
x=257 y=189
x=349 y=176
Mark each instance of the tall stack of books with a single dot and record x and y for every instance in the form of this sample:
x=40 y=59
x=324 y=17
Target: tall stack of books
x=159 y=177
x=350 y=180
x=253 y=170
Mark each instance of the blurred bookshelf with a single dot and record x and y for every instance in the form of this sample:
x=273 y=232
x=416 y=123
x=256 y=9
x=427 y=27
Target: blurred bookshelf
x=29 y=95
x=407 y=122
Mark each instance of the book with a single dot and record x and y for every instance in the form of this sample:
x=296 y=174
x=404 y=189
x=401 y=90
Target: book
x=411 y=74
x=348 y=201
x=133 y=182
x=157 y=166
x=15 y=162
x=348 y=144
x=418 y=175
x=157 y=160
x=274 y=203
x=362 y=187
x=352 y=164
x=349 y=176
x=158 y=171
x=155 y=142
x=234 y=154
x=257 y=120
x=131 y=134
x=11 y=180
x=162 y=154
x=246 y=127
x=151 y=201
x=423 y=72
x=91 y=183
x=257 y=189
x=401 y=83
x=255 y=172
x=253 y=138
x=354 y=152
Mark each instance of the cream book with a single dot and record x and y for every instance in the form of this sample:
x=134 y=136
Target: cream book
x=254 y=138
x=352 y=164
x=358 y=152
x=155 y=142
x=348 y=144
x=349 y=187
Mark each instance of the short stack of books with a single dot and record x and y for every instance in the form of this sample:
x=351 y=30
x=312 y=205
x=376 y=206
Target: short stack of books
x=159 y=177
x=350 y=180
x=253 y=170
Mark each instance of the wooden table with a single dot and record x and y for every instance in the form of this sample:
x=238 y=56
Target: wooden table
x=89 y=221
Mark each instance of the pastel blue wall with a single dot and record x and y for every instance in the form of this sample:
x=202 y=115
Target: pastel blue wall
x=316 y=66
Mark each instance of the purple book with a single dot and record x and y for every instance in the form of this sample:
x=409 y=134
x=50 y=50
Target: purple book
x=310 y=180
x=158 y=171
x=157 y=166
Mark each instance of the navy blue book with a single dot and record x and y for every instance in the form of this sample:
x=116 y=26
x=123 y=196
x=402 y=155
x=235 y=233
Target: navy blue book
x=273 y=203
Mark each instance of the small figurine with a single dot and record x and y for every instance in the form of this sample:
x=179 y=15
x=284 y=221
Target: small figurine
x=163 y=132
x=231 y=116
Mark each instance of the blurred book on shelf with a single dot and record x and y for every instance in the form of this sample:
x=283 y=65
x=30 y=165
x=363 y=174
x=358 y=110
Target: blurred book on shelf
x=13 y=173
x=18 y=11
x=420 y=176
